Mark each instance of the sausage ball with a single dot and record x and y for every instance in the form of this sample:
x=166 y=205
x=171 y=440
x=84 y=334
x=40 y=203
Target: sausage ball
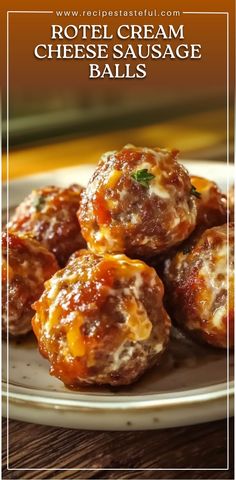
x=49 y=216
x=139 y=201
x=211 y=212
x=101 y=320
x=26 y=265
x=211 y=203
x=196 y=282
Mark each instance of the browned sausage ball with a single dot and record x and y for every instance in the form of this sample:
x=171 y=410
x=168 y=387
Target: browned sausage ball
x=196 y=284
x=212 y=204
x=49 y=216
x=211 y=211
x=139 y=201
x=29 y=266
x=101 y=320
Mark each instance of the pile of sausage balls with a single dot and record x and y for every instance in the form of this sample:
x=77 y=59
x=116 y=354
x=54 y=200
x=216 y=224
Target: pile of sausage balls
x=79 y=267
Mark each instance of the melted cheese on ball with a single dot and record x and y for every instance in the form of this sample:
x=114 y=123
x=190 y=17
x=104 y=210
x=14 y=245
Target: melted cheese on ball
x=75 y=340
x=137 y=319
x=155 y=185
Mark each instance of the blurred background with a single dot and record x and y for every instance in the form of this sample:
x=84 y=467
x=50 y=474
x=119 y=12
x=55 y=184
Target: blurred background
x=59 y=117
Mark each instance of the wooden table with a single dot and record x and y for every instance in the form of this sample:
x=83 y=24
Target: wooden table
x=202 y=446
x=36 y=446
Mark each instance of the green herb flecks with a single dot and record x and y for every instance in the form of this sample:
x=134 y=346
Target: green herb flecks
x=38 y=203
x=194 y=192
x=143 y=177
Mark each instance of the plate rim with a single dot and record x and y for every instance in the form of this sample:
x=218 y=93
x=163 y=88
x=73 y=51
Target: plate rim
x=202 y=395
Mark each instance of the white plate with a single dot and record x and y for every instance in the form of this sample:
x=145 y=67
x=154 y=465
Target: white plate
x=189 y=387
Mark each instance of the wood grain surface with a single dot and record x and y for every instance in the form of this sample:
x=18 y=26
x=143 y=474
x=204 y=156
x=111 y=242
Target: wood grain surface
x=39 y=447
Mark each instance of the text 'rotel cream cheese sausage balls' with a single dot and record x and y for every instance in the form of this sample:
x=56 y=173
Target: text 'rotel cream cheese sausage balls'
x=49 y=216
x=211 y=203
x=25 y=268
x=101 y=320
x=139 y=201
x=199 y=291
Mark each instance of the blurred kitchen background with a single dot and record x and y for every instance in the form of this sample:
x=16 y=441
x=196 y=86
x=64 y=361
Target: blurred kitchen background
x=59 y=117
